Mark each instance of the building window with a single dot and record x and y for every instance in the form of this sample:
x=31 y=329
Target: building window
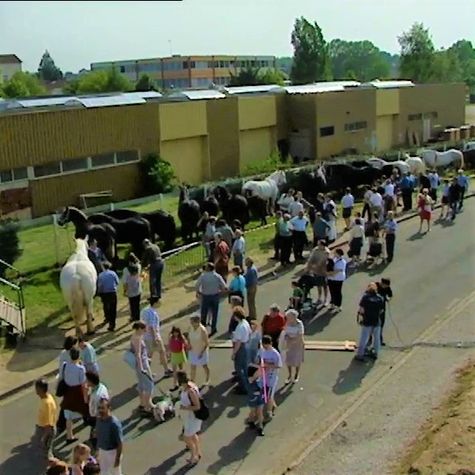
x=122 y=69
x=327 y=131
x=74 y=165
x=127 y=156
x=20 y=173
x=6 y=176
x=185 y=64
x=354 y=126
x=47 y=169
x=414 y=117
x=103 y=160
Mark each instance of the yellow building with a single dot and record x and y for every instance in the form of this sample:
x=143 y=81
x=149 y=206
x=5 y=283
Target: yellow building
x=52 y=150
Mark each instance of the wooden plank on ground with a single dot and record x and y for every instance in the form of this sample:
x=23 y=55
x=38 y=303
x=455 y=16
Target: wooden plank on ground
x=311 y=345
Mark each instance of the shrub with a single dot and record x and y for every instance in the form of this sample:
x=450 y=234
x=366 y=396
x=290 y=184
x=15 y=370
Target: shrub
x=9 y=243
x=158 y=174
x=269 y=165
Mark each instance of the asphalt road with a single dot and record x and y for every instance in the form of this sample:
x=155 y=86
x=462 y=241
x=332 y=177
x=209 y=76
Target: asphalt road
x=430 y=274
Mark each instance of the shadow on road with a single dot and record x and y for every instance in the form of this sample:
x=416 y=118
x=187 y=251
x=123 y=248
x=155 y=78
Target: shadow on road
x=20 y=462
x=350 y=378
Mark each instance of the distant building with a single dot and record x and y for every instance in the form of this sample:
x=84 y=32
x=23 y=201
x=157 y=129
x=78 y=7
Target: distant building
x=185 y=72
x=9 y=65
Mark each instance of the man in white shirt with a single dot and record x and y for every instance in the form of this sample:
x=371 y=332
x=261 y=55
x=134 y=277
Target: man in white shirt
x=97 y=391
x=376 y=203
x=335 y=280
x=285 y=200
x=241 y=336
x=152 y=337
x=298 y=225
x=295 y=206
x=366 y=207
x=347 y=203
x=238 y=249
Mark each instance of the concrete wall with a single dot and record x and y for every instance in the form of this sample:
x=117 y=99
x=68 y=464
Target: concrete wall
x=49 y=194
x=442 y=104
x=336 y=109
x=8 y=70
x=223 y=134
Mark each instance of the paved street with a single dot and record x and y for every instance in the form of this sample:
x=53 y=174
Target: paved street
x=430 y=275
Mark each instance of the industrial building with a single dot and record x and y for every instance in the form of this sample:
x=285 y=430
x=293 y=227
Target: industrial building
x=9 y=65
x=52 y=150
x=185 y=72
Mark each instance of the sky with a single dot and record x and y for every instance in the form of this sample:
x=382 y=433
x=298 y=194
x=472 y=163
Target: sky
x=80 y=32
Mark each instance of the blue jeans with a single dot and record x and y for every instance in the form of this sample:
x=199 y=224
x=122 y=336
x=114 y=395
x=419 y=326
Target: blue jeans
x=210 y=303
x=155 y=278
x=366 y=332
x=241 y=362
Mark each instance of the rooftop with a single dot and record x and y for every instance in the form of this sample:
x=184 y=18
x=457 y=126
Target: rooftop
x=9 y=59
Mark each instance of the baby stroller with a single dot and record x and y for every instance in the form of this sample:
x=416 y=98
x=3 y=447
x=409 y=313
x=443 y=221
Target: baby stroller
x=307 y=307
x=375 y=250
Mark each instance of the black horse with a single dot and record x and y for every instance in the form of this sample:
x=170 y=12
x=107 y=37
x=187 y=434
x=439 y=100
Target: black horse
x=189 y=214
x=162 y=223
x=104 y=233
x=208 y=203
x=342 y=175
x=233 y=206
x=128 y=231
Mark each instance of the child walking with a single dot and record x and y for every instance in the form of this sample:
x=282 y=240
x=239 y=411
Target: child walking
x=177 y=345
x=255 y=399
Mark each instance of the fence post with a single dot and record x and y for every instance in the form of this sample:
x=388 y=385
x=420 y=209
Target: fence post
x=56 y=242
x=160 y=197
x=112 y=206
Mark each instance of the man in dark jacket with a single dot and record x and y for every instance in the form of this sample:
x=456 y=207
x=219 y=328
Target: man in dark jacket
x=454 y=197
x=369 y=317
x=384 y=289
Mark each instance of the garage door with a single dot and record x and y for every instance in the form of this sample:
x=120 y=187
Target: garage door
x=187 y=157
x=384 y=132
x=255 y=145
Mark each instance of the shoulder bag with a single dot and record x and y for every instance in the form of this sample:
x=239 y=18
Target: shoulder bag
x=62 y=386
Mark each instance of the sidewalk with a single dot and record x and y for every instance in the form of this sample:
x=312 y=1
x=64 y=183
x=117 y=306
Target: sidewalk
x=37 y=357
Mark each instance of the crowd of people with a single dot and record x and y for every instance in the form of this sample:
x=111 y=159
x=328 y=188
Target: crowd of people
x=260 y=349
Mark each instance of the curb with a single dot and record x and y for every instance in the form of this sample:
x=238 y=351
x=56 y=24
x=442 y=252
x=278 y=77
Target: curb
x=181 y=313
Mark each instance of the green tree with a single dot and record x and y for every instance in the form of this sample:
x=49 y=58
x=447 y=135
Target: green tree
x=359 y=60
x=245 y=77
x=47 y=70
x=272 y=76
x=446 y=67
x=103 y=81
x=9 y=243
x=22 y=85
x=284 y=64
x=158 y=174
x=417 y=54
x=311 y=62
x=145 y=83
x=465 y=52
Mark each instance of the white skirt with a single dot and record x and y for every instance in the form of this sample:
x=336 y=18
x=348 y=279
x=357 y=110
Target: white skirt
x=191 y=424
x=195 y=359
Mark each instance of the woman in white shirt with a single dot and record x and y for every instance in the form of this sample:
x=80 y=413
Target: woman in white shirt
x=356 y=241
x=335 y=280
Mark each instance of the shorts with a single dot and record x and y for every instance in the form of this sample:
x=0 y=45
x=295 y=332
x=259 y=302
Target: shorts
x=153 y=346
x=144 y=383
x=272 y=387
x=320 y=281
x=255 y=400
x=347 y=212
x=195 y=359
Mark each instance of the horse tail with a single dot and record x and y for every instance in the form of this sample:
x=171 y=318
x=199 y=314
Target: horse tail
x=76 y=299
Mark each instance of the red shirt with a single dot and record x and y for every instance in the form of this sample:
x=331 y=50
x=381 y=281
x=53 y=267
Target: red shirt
x=176 y=345
x=273 y=324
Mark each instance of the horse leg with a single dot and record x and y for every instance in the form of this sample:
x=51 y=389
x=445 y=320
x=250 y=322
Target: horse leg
x=89 y=319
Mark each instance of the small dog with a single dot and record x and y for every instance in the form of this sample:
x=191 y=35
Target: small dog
x=164 y=408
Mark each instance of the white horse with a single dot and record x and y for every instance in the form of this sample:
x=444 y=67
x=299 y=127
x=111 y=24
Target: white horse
x=379 y=163
x=416 y=164
x=434 y=159
x=78 y=280
x=267 y=189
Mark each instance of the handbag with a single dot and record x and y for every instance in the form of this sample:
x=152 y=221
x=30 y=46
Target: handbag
x=129 y=358
x=203 y=412
x=62 y=386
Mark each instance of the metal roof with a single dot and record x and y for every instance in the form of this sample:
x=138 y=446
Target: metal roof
x=253 y=89
x=197 y=95
x=44 y=101
x=388 y=84
x=143 y=94
x=106 y=101
x=313 y=88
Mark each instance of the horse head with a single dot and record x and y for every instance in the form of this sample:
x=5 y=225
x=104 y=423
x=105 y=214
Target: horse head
x=278 y=177
x=63 y=218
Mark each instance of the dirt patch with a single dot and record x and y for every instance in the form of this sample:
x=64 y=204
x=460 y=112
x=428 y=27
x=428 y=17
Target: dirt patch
x=446 y=443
